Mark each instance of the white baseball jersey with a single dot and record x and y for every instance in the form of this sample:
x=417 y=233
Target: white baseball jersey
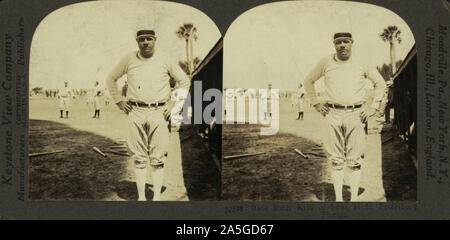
x=65 y=92
x=148 y=82
x=345 y=81
x=97 y=90
x=148 y=79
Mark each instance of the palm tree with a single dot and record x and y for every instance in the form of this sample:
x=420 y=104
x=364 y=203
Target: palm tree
x=188 y=32
x=194 y=37
x=391 y=34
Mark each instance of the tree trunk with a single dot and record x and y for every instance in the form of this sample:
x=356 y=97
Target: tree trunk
x=192 y=55
x=394 y=67
x=187 y=56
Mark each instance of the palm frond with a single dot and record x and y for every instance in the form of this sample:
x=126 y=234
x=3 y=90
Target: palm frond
x=196 y=61
x=185 y=66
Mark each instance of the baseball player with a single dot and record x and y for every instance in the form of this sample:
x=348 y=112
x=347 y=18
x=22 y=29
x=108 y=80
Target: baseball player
x=64 y=95
x=147 y=106
x=344 y=109
x=266 y=108
x=97 y=92
x=300 y=101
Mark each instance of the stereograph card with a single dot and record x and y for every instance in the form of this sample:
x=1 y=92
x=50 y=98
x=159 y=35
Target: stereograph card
x=214 y=109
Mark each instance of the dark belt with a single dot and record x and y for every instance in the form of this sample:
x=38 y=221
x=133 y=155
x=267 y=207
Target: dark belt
x=141 y=104
x=338 y=106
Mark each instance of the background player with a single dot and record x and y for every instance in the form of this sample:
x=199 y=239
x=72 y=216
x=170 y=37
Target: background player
x=300 y=99
x=97 y=92
x=64 y=95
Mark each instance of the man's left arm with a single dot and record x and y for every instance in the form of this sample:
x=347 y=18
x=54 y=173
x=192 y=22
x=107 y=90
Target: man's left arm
x=178 y=97
x=379 y=91
x=379 y=87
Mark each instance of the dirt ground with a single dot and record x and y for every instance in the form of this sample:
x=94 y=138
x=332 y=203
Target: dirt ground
x=281 y=174
x=79 y=173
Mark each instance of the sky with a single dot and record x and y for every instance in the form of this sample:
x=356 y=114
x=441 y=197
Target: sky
x=280 y=43
x=82 y=42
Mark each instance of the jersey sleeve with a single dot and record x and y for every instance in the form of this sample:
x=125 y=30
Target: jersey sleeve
x=379 y=85
x=183 y=82
x=315 y=74
x=117 y=72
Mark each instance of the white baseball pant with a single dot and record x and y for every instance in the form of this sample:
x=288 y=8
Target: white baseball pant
x=148 y=136
x=345 y=138
x=97 y=102
x=64 y=103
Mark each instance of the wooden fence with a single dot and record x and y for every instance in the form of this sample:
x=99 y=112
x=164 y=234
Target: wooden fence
x=405 y=99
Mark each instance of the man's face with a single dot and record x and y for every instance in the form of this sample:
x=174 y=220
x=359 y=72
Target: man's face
x=343 y=48
x=146 y=45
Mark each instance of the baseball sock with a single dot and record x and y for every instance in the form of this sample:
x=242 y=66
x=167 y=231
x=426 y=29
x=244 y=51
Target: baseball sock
x=61 y=112
x=301 y=113
x=141 y=177
x=338 y=181
x=157 y=177
x=67 y=114
x=98 y=113
x=354 y=178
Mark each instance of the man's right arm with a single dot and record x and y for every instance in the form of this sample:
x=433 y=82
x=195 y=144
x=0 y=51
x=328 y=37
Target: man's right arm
x=117 y=72
x=315 y=74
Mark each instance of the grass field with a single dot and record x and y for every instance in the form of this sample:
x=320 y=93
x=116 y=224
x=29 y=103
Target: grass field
x=280 y=174
x=79 y=173
x=283 y=175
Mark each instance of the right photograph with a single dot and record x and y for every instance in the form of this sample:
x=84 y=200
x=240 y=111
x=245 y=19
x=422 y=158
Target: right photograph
x=320 y=104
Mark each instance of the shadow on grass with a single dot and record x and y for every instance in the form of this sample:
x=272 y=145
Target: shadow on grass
x=280 y=174
x=78 y=173
x=399 y=172
x=127 y=190
x=324 y=192
x=201 y=177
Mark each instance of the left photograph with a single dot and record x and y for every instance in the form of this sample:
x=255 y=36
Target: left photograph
x=111 y=83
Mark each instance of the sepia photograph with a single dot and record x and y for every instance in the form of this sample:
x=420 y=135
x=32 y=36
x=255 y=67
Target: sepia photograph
x=337 y=83
x=108 y=92
x=224 y=110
